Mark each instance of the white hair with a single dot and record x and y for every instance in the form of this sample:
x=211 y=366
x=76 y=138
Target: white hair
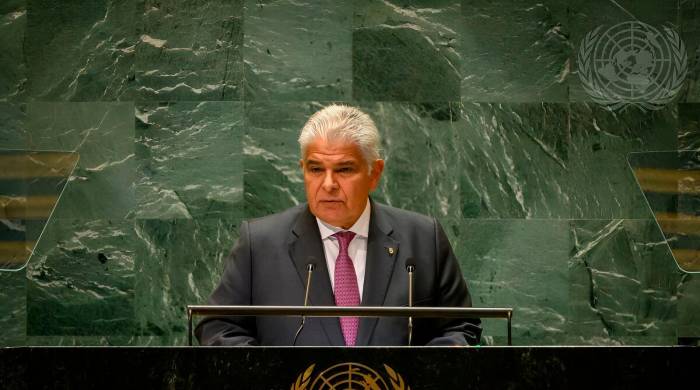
x=342 y=123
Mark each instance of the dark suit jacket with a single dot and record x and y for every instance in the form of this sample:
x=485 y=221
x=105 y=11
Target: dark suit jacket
x=267 y=267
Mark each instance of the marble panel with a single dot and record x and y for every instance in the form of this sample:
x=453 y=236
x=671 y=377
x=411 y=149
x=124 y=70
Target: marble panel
x=182 y=266
x=80 y=51
x=107 y=341
x=576 y=282
x=190 y=50
x=273 y=180
x=521 y=264
x=189 y=157
x=690 y=34
x=298 y=50
x=689 y=306
x=602 y=183
x=419 y=146
x=102 y=185
x=13 y=313
x=514 y=160
x=81 y=278
x=624 y=284
x=12 y=125
x=689 y=126
x=515 y=51
x=13 y=69
x=406 y=50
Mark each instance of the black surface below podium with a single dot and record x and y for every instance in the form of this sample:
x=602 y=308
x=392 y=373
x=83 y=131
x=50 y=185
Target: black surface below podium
x=328 y=368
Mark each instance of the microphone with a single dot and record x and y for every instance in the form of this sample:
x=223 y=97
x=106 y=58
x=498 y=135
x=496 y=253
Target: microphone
x=410 y=268
x=310 y=266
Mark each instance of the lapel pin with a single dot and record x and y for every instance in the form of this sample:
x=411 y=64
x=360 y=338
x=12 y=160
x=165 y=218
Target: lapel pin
x=390 y=250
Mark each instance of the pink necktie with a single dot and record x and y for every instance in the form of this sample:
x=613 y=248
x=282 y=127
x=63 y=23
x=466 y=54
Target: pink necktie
x=346 y=291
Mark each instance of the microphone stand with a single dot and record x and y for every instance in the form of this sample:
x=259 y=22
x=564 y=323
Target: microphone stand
x=410 y=269
x=310 y=270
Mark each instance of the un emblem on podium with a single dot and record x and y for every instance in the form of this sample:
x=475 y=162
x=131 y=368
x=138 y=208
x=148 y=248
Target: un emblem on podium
x=350 y=376
x=632 y=64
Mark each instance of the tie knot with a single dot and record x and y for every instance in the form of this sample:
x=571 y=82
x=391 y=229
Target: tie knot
x=344 y=239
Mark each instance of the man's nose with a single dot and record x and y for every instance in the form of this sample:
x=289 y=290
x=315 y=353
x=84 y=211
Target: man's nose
x=329 y=183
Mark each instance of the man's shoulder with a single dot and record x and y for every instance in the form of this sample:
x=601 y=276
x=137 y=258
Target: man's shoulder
x=282 y=220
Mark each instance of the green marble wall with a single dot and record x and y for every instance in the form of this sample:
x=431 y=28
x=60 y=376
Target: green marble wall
x=186 y=113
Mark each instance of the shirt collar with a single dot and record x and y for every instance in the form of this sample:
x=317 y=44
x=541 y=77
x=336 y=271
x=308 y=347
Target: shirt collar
x=360 y=228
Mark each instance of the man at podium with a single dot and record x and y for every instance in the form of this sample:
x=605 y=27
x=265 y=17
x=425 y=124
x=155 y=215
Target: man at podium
x=357 y=248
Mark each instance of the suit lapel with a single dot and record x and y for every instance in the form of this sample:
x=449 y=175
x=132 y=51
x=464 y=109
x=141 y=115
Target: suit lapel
x=304 y=243
x=382 y=250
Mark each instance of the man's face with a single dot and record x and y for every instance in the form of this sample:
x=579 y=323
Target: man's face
x=337 y=181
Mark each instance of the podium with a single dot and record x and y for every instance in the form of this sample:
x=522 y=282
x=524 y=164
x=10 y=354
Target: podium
x=342 y=368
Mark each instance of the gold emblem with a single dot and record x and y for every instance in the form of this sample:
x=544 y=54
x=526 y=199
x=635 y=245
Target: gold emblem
x=351 y=376
x=390 y=250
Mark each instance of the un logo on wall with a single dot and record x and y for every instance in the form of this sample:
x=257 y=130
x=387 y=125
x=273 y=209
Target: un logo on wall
x=350 y=376
x=632 y=64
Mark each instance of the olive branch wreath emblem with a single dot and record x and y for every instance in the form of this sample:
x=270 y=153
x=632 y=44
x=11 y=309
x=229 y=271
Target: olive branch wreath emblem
x=612 y=100
x=304 y=379
x=397 y=383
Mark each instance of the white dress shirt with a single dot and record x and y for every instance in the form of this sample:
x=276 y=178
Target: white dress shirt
x=357 y=250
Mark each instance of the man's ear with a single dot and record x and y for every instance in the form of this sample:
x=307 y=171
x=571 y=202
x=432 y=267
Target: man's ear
x=301 y=164
x=377 y=169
